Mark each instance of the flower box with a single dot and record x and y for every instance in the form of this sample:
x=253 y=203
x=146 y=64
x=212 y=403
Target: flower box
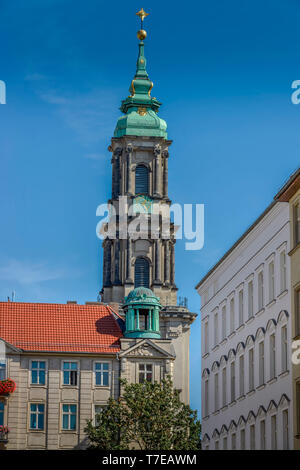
x=7 y=386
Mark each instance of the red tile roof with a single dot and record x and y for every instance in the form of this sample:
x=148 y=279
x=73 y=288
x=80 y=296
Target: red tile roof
x=59 y=327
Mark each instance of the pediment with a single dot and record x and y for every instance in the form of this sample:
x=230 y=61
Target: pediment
x=147 y=348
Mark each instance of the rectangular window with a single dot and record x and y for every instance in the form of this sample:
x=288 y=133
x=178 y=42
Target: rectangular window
x=216 y=328
x=102 y=374
x=206 y=397
x=223 y=322
x=262 y=435
x=69 y=417
x=216 y=392
x=37 y=415
x=217 y=445
x=271 y=282
x=297 y=311
x=70 y=373
x=145 y=373
x=274 y=432
x=285 y=424
x=225 y=443
x=97 y=412
x=250 y=299
x=232 y=379
x=144 y=320
x=243 y=439
x=38 y=372
x=224 y=385
x=260 y=290
x=206 y=337
x=1 y=413
x=282 y=271
x=241 y=307
x=284 y=349
x=297 y=223
x=252 y=437
x=232 y=315
x=2 y=369
x=272 y=357
x=251 y=369
x=233 y=441
x=261 y=363
x=242 y=375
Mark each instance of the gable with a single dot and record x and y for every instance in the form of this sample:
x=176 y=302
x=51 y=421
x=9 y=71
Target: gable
x=147 y=348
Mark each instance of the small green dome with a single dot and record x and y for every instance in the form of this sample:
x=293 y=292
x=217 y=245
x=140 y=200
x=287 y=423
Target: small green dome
x=141 y=123
x=141 y=295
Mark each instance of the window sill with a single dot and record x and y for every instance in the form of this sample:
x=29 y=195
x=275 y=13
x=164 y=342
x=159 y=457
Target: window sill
x=250 y=393
x=232 y=403
x=69 y=431
x=250 y=320
x=282 y=294
x=215 y=348
x=272 y=381
x=261 y=387
x=241 y=398
x=271 y=303
x=41 y=431
x=37 y=386
x=285 y=373
x=240 y=328
x=232 y=334
x=75 y=387
x=224 y=341
x=224 y=408
x=205 y=356
x=260 y=312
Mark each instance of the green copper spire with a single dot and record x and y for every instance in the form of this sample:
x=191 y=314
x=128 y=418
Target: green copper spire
x=140 y=108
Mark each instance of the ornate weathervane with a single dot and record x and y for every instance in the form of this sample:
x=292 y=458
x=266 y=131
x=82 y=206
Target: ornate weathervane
x=142 y=33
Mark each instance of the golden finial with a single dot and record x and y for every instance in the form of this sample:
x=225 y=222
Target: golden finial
x=142 y=33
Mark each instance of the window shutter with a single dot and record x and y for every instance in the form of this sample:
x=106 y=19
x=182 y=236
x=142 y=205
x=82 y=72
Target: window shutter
x=141 y=180
x=141 y=273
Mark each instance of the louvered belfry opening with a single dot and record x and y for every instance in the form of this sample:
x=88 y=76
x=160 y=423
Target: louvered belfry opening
x=141 y=180
x=141 y=273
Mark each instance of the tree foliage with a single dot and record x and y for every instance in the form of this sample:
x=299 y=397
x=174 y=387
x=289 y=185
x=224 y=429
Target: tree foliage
x=148 y=416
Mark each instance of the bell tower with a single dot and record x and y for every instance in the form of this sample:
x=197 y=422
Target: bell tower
x=140 y=154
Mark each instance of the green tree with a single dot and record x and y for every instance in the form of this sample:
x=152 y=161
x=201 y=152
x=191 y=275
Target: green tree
x=148 y=416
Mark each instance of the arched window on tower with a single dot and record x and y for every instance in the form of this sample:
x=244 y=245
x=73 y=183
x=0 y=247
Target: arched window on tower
x=141 y=180
x=141 y=273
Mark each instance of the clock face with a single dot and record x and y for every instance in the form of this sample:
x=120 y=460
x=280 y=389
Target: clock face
x=142 y=205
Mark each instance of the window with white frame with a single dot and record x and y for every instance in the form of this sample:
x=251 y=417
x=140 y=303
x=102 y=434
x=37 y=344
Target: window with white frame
x=37 y=416
x=1 y=413
x=233 y=441
x=242 y=375
x=282 y=271
x=102 y=374
x=98 y=409
x=216 y=391
x=262 y=426
x=223 y=322
x=145 y=373
x=206 y=337
x=69 y=417
x=216 y=328
x=274 y=432
x=232 y=380
x=285 y=429
x=224 y=385
x=70 y=373
x=241 y=307
x=284 y=349
x=297 y=223
x=231 y=315
x=206 y=398
x=243 y=439
x=251 y=369
x=297 y=311
x=2 y=369
x=271 y=281
x=250 y=299
x=252 y=437
x=261 y=351
x=272 y=356
x=38 y=372
x=260 y=282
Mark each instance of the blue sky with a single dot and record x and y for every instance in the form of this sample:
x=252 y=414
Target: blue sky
x=223 y=71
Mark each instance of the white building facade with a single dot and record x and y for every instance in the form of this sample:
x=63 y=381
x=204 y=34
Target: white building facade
x=246 y=336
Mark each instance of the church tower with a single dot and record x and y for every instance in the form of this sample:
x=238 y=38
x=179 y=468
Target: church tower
x=140 y=154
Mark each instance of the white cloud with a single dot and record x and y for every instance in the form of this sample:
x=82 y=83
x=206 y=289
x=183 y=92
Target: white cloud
x=24 y=272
